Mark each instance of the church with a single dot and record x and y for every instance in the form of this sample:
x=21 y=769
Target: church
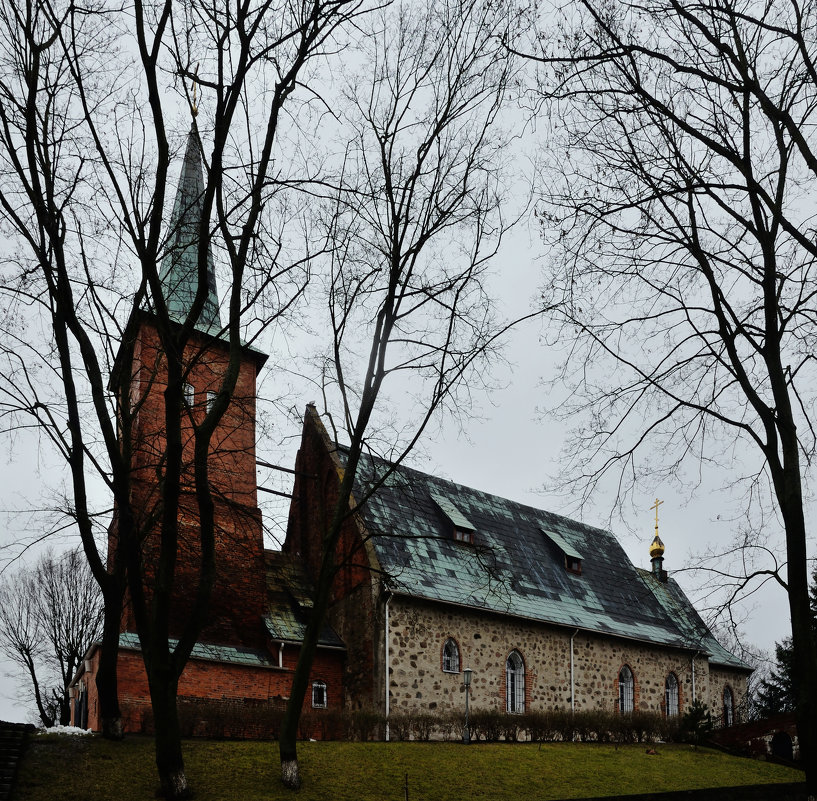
x=434 y=578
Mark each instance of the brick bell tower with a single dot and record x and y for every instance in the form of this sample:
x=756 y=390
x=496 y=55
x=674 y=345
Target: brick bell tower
x=238 y=604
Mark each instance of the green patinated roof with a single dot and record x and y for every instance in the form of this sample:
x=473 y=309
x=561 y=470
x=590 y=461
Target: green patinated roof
x=179 y=270
x=290 y=598
x=565 y=547
x=208 y=651
x=453 y=514
x=677 y=606
x=512 y=569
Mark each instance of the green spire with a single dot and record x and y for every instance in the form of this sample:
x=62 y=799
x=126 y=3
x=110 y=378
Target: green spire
x=179 y=271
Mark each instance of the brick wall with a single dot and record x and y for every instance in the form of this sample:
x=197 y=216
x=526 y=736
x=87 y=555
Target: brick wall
x=356 y=610
x=217 y=682
x=239 y=595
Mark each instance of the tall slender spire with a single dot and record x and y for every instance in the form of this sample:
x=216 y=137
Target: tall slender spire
x=179 y=271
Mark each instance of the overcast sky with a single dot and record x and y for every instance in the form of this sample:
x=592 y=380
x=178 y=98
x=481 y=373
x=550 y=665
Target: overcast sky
x=505 y=444
x=505 y=447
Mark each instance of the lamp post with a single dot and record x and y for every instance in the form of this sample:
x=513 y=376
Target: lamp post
x=466 y=680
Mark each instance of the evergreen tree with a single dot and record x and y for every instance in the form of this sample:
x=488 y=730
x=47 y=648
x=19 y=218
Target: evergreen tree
x=776 y=692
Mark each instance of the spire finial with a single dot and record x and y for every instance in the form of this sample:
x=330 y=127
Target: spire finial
x=655 y=506
x=657 y=547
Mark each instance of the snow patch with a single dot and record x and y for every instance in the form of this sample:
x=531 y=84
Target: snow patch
x=73 y=730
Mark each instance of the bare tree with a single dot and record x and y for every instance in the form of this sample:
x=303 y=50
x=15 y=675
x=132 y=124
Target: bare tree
x=415 y=223
x=684 y=245
x=89 y=99
x=49 y=616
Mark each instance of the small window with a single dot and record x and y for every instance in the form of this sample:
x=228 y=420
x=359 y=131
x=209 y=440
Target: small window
x=626 y=687
x=451 y=656
x=319 y=695
x=189 y=394
x=211 y=399
x=728 y=707
x=671 y=696
x=461 y=529
x=573 y=559
x=463 y=535
x=515 y=683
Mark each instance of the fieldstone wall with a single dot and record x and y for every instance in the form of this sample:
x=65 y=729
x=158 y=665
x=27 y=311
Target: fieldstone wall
x=418 y=632
x=719 y=680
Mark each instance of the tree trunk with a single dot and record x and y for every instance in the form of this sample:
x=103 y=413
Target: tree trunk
x=290 y=772
x=65 y=708
x=107 y=684
x=804 y=664
x=169 y=760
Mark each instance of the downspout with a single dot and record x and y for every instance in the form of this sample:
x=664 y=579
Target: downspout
x=386 y=652
x=280 y=654
x=572 y=683
x=693 y=676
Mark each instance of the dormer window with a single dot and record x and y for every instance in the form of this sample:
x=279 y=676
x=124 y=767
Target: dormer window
x=460 y=527
x=463 y=535
x=572 y=558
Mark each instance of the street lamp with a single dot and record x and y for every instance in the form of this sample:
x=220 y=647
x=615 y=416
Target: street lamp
x=466 y=680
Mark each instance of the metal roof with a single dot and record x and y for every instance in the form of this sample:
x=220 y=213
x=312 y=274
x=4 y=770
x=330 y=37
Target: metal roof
x=209 y=651
x=289 y=599
x=511 y=568
x=452 y=513
x=289 y=596
x=565 y=547
x=179 y=271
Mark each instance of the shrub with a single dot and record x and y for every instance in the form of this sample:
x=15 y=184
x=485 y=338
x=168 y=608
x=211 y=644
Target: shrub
x=424 y=724
x=486 y=724
x=400 y=725
x=696 y=723
x=363 y=724
x=542 y=726
x=450 y=725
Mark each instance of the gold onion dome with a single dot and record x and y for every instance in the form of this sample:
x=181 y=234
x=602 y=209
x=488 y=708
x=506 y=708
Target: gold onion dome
x=656 y=548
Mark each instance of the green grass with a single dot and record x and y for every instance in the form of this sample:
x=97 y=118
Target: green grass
x=92 y=769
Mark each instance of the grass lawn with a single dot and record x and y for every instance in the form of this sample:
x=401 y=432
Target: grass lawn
x=92 y=769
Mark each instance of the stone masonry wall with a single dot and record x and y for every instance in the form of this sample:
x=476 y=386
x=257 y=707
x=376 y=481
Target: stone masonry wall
x=418 y=632
x=719 y=680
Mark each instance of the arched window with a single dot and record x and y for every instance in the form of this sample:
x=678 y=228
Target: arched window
x=671 y=696
x=626 y=686
x=451 y=656
x=515 y=683
x=319 y=695
x=728 y=707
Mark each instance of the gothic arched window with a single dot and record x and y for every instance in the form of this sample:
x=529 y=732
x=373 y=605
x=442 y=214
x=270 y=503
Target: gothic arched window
x=626 y=689
x=671 y=696
x=451 y=656
x=515 y=683
x=728 y=707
